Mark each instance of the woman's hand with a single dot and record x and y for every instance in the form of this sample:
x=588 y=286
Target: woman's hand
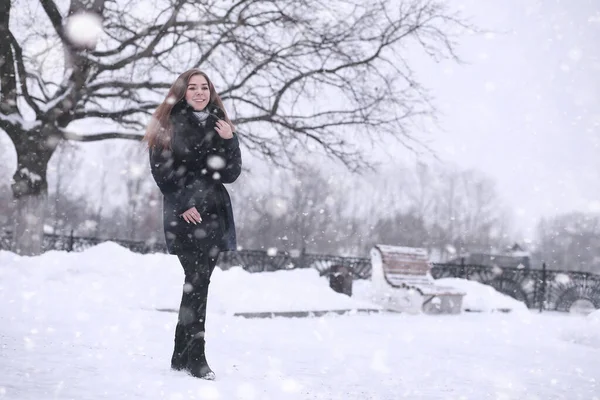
x=224 y=129
x=192 y=216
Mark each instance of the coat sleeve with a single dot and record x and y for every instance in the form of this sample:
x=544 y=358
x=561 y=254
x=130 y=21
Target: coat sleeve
x=164 y=171
x=230 y=152
x=233 y=160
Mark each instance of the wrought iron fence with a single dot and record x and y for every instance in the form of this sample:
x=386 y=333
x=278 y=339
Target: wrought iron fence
x=538 y=288
x=541 y=289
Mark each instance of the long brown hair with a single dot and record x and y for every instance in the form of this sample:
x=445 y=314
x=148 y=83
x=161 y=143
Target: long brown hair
x=159 y=130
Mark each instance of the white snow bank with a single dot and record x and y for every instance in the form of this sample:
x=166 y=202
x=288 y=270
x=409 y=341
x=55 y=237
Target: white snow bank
x=479 y=297
x=111 y=276
x=237 y=290
x=103 y=277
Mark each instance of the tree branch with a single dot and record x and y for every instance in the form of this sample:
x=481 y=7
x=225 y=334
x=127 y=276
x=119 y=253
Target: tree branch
x=94 y=137
x=41 y=84
x=149 y=32
x=8 y=76
x=23 y=74
x=116 y=84
x=150 y=48
x=55 y=18
x=6 y=124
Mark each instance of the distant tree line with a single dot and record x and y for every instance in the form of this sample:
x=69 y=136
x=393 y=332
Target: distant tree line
x=448 y=212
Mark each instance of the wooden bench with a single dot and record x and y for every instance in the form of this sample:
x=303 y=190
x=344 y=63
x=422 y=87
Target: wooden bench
x=401 y=281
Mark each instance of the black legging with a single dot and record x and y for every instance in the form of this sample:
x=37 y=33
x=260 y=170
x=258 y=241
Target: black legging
x=198 y=267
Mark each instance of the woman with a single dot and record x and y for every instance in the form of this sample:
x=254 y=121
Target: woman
x=193 y=152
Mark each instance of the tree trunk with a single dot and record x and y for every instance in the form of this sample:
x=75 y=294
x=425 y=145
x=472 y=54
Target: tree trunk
x=28 y=228
x=30 y=191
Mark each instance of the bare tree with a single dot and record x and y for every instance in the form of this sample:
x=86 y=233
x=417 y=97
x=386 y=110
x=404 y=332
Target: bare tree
x=421 y=191
x=296 y=210
x=297 y=74
x=136 y=175
x=101 y=191
x=348 y=216
x=312 y=203
x=570 y=241
x=6 y=206
x=404 y=229
x=64 y=161
x=467 y=213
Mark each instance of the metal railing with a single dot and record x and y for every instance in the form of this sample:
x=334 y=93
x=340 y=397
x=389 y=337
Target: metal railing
x=540 y=289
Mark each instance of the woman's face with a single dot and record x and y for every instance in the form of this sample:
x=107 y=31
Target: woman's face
x=198 y=93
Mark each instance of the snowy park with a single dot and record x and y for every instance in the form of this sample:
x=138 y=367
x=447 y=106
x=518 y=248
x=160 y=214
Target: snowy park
x=99 y=324
x=299 y=199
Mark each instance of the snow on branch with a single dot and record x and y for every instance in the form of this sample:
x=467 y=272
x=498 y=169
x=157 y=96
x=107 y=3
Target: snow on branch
x=94 y=137
x=16 y=120
x=62 y=95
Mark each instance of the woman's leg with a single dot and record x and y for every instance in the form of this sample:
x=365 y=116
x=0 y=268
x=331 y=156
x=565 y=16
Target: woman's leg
x=179 y=358
x=198 y=267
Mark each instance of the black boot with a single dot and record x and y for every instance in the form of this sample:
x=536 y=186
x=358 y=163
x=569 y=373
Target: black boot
x=180 y=356
x=197 y=365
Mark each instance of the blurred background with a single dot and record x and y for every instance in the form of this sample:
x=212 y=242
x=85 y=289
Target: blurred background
x=474 y=129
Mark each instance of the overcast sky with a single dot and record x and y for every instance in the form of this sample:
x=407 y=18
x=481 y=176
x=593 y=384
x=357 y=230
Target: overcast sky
x=526 y=108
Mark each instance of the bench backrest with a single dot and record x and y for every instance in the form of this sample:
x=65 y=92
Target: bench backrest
x=398 y=260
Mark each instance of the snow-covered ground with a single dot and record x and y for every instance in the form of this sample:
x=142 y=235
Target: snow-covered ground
x=87 y=326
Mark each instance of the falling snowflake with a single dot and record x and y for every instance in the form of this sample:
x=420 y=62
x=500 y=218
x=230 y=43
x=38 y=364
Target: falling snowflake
x=562 y=279
x=84 y=29
x=215 y=162
x=575 y=54
x=90 y=224
x=277 y=206
x=528 y=285
x=136 y=170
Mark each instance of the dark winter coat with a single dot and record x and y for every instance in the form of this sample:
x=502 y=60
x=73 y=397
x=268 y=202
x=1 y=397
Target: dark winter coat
x=191 y=173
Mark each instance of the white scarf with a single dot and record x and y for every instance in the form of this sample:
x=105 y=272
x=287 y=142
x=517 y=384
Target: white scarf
x=201 y=116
